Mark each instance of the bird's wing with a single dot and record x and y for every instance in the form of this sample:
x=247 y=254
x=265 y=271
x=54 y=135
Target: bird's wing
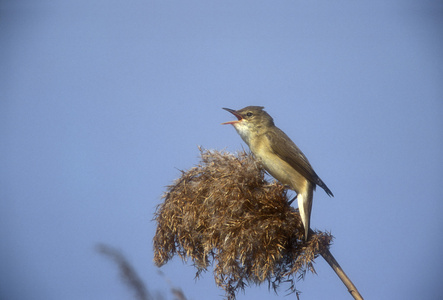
x=289 y=152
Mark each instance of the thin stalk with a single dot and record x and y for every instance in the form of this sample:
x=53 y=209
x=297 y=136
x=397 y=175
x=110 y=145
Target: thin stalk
x=341 y=274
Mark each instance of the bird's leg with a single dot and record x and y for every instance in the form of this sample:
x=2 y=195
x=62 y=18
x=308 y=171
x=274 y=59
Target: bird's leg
x=292 y=200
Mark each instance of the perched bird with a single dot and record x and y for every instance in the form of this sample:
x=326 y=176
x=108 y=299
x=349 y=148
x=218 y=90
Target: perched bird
x=279 y=156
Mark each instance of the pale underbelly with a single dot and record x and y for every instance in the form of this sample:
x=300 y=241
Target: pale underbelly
x=283 y=172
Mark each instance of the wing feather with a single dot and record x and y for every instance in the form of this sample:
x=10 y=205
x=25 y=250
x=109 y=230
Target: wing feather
x=283 y=147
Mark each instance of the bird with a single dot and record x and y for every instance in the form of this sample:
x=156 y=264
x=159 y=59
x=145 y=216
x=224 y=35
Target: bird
x=280 y=157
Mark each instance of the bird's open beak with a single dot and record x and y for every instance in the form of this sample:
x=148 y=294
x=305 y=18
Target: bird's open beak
x=239 y=117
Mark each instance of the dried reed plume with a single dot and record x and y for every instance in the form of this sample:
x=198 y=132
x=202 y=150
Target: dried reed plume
x=224 y=212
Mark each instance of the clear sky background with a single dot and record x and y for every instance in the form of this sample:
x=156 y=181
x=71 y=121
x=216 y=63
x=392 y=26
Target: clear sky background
x=103 y=101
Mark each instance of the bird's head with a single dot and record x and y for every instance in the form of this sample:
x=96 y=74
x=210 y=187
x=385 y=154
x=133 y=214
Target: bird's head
x=250 y=120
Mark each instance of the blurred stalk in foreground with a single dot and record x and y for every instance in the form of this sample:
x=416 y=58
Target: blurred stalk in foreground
x=223 y=212
x=132 y=280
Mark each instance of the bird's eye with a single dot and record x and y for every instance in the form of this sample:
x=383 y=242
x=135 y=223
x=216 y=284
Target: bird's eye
x=249 y=114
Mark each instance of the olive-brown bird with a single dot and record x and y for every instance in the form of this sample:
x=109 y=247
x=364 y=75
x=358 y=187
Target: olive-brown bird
x=279 y=156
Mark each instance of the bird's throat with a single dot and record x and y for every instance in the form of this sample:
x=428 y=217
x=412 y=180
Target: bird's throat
x=246 y=131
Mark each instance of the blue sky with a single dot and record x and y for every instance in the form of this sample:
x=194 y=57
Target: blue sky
x=103 y=101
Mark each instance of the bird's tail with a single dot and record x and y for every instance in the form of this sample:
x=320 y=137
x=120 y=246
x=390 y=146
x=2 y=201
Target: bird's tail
x=304 y=206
